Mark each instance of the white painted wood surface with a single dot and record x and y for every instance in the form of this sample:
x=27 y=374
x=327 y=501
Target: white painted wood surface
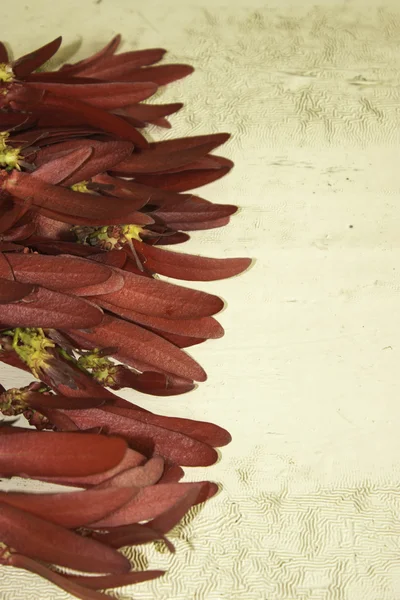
x=307 y=376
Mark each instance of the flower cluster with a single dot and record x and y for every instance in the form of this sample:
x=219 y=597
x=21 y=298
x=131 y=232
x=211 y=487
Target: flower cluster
x=88 y=207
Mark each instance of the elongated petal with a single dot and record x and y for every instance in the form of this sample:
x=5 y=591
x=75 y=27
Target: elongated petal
x=73 y=509
x=32 y=61
x=181 y=182
x=96 y=117
x=131 y=340
x=148 y=438
x=193 y=210
x=149 y=112
x=66 y=273
x=156 y=160
x=135 y=59
x=106 y=92
x=161 y=299
x=195 y=226
x=161 y=75
x=151 y=382
x=61 y=273
x=42 y=136
x=108 y=50
x=37 y=538
x=104 y=156
x=186 y=143
x=59 y=454
x=205 y=328
x=131 y=535
x=189 y=267
x=139 y=477
x=131 y=460
x=115 y=102
x=72 y=587
x=203 y=431
x=171 y=517
x=55 y=171
x=207 y=162
x=152 y=501
x=142 y=194
x=74 y=205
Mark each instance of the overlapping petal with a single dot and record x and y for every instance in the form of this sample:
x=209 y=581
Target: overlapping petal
x=86 y=201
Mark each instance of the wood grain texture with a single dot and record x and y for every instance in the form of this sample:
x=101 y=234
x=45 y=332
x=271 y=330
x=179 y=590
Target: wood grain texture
x=306 y=377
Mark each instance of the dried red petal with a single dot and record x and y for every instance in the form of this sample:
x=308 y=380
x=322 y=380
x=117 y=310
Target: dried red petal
x=58 y=454
x=37 y=538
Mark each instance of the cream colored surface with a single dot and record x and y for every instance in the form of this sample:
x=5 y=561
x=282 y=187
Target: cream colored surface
x=307 y=376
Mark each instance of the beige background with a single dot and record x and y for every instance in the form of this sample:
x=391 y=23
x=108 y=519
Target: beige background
x=307 y=376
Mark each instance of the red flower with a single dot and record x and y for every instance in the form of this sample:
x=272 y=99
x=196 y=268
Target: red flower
x=101 y=92
x=179 y=441
x=47 y=527
x=85 y=201
x=151 y=319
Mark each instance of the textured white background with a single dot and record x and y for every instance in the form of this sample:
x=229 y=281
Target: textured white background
x=307 y=376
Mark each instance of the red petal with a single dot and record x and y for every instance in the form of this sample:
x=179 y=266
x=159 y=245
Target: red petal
x=132 y=459
x=139 y=477
x=73 y=509
x=108 y=95
x=55 y=171
x=181 y=182
x=135 y=58
x=205 y=328
x=189 y=267
x=153 y=382
x=46 y=541
x=152 y=501
x=104 y=156
x=143 y=345
x=67 y=204
x=131 y=535
x=194 y=210
x=186 y=143
x=157 y=159
x=171 y=517
x=205 y=432
x=32 y=61
x=148 y=112
x=108 y=50
x=161 y=299
x=148 y=438
x=160 y=75
x=195 y=226
x=59 y=454
x=96 y=117
x=61 y=273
